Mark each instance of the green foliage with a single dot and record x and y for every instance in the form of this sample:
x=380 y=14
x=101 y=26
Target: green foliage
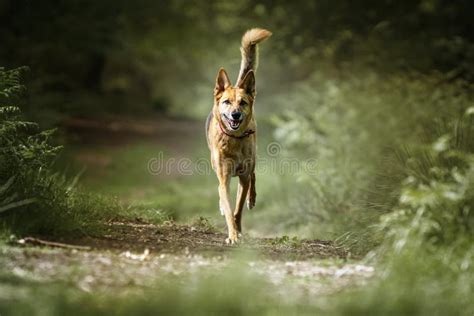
x=359 y=128
x=426 y=258
x=436 y=205
x=434 y=224
x=204 y=223
x=33 y=198
x=24 y=151
x=286 y=241
x=10 y=82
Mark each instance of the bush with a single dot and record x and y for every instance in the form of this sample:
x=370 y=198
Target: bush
x=34 y=199
x=425 y=260
x=359 y=128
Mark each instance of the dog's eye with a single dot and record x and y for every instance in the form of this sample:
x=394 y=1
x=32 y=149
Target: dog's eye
x=227 y=102
x=243 y=103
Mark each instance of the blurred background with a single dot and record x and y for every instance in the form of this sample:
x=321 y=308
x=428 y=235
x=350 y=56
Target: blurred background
x=90 y=59
x=378 y=93
x=343 y=82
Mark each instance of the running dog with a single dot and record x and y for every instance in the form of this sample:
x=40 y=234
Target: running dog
x=231 y=133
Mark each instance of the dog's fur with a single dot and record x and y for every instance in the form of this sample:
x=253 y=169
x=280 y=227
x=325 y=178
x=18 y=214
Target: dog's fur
x=233 y=141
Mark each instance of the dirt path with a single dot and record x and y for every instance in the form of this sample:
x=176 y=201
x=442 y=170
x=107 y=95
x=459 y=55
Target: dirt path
x=133 y=257
x=199 y=239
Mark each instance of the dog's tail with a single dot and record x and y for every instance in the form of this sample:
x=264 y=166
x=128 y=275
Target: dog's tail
x=249 y=50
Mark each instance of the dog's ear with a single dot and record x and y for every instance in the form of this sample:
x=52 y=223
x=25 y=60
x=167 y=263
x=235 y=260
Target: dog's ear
x=248 y=83
x=222 y=81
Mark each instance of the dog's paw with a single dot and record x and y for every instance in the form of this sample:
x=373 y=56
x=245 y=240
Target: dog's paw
x=250 y=204
x=232 y=239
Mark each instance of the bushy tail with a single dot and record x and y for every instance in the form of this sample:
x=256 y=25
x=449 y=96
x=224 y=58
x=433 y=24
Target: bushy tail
x=249 y=50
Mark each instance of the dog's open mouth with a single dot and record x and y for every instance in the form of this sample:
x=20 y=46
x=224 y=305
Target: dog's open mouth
x=233 y=124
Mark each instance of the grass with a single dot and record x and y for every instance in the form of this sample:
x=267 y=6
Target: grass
x=286 y=241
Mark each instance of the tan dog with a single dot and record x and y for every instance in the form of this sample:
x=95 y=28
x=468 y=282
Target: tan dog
x=231 y=133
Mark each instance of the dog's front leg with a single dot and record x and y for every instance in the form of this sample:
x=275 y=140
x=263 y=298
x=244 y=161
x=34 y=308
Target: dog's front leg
x=224 y=202
x=244 y=183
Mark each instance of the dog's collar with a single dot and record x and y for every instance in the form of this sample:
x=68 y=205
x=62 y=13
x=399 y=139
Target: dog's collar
x=247 y=133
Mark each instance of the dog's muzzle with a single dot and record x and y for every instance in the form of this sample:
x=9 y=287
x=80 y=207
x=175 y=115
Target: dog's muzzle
x=234 y=120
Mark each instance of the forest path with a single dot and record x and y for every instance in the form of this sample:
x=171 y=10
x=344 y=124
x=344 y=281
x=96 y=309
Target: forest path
x=132 y=257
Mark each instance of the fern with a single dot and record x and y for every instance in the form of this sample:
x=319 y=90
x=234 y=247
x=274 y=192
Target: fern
x=24 y=149
x=10 y=82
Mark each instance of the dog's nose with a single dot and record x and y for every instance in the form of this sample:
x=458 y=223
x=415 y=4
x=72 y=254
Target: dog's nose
x=236 y=115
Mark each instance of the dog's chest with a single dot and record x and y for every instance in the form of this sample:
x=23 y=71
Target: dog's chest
x=239 y=153
x=236 y=148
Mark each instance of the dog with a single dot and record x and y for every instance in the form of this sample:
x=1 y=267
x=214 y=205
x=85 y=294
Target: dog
x=231 y=132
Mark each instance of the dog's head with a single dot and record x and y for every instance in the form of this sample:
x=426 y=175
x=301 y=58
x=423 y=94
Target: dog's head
x=234 y=105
